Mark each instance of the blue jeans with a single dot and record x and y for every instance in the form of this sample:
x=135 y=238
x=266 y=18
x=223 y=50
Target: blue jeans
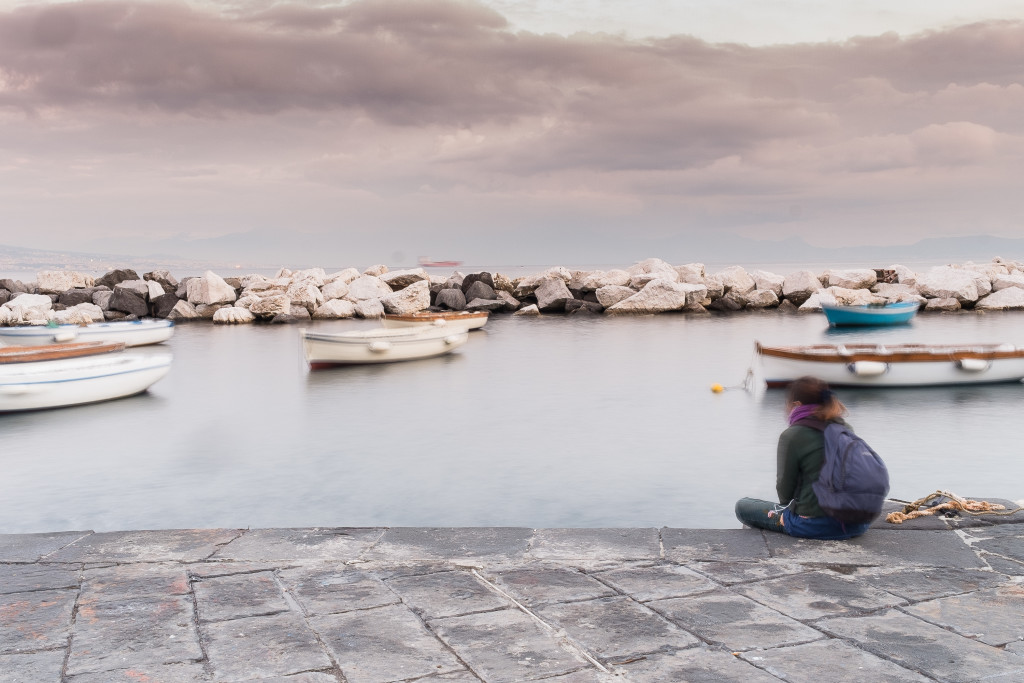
x=763 y=514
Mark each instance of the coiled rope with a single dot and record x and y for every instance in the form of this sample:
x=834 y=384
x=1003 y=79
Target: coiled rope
x=921 y=507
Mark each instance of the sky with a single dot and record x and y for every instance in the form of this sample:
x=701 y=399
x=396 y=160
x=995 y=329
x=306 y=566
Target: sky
x=495 y=132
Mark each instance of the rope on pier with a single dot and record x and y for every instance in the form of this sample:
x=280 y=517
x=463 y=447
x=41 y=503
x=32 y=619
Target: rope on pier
x=926 y=506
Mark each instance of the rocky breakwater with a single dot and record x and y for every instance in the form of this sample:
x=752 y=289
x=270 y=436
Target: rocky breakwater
x=650 y=286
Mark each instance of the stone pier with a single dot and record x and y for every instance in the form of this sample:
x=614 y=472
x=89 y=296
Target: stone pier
x=934 y=599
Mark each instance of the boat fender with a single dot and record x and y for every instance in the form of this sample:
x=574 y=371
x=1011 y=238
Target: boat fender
x=64 y=336
x=440 y=322
x=868 y=368
x=451 y=339
x=380 y=346
x=974 y=364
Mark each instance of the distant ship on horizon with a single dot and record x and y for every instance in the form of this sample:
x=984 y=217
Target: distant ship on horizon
x=427 y=262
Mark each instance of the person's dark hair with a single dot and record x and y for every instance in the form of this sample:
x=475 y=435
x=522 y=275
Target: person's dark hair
x=813 y=391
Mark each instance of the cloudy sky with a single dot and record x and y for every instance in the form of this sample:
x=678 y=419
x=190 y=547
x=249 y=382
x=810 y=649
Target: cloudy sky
x=506 y=131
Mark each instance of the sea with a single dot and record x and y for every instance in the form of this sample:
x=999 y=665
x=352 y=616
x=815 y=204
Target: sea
x=550 y=421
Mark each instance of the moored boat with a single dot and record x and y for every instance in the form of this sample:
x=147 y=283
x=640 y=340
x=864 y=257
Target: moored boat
x=897 y=365
x=894 y=313
x=73 y=381
x=452 y=320
x=427 y=262
x=128 y=332
x=379 y=345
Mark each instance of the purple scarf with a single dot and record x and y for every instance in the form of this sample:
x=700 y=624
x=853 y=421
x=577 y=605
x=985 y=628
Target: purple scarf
x=802 y=411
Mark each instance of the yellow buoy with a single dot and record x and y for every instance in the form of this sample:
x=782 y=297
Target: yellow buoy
x=717 y=388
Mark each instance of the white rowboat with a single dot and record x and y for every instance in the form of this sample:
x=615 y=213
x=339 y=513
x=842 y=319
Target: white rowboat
x=128 y=332
x=897 y=365
x=73 y=381
x=456 y=321
x=380 y=345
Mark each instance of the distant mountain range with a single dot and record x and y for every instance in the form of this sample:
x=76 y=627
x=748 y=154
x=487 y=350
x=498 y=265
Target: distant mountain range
x=258 y=251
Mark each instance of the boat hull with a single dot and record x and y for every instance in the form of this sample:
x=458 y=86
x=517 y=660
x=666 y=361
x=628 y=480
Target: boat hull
x=897 y=366
x=379 y=346
x=461 y=321
x=890 y=314
x=75 y=381
x=127 y=332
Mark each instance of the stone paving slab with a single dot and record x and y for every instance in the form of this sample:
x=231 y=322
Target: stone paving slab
x=180 y=545
x=482 y=605
x=926 y=648
x=342 y=544
x=33 y=547
x=18 y=579
x=384 y=644
x=39 y=620
x=830 y=660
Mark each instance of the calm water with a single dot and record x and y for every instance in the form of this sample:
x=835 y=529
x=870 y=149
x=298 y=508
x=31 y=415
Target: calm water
x=548 y=422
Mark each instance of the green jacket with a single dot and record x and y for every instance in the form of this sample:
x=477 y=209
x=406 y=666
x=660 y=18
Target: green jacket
x=801 y=455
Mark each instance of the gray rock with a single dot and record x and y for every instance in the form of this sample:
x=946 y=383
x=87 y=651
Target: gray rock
x=13 y=286
x=530 y=310
x=730 y=302
x=511 y=303
x=182 y=311
x=272 y=306
x=117 y=276
x=73 y=297
x=452 y=299
x=552 y=294
x=580 y=307
x=162 y=278
x=761 y=298
x=369 y=308
x=468 y=281
x=162 y=306
x=490 y=305
x=5 y=296
x=128 y=300
x=609 y=295
x=479 y=290
x=299 y=313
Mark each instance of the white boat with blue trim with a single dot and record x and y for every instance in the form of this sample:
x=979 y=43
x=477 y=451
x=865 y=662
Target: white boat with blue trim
x=72 y=381
x=896 y=365
x=129 y=332
x=379 y=345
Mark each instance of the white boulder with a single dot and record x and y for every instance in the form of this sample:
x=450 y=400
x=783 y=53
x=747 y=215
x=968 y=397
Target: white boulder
x=1004 y=299
x=209 y=289
x=376 y=271
x=640 y=280
x=691 y=273
x=1008 y=280
x=812 y=304
x=761 y=298
x=233 y=315
x=855 y=278
x=735 y=279
x=530 y=310
x=335 y=309
x=609 y=295
x=897 y=292
x=369 y=308
x=183 y=310
x=413 y=298
x=849 y=297
x=335 y=289
x=347 y=275
x=770 y=281
x=91 y=312
x=367 y=287
x=306 y=294
x=597 y=279
x=315 y=275
x=653 y=265
x=660 y=296
x=944 y=282
x=904 y=275
x=57 y=281
x=799 y=286
x=400 y=279
x=271 y=306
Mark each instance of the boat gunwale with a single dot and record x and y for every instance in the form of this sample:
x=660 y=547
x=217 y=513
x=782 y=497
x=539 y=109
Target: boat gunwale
x=416 y=337
x=892 y=354
x=36 y=354
x=436 y=315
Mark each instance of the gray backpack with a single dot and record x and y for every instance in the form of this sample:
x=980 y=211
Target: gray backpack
x=854 y=481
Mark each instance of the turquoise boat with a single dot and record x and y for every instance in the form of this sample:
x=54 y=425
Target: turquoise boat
x=897 y=313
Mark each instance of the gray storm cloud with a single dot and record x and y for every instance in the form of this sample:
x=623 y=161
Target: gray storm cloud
x=406 y=98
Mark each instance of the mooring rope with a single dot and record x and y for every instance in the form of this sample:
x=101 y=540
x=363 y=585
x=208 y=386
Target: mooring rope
x=920 y=507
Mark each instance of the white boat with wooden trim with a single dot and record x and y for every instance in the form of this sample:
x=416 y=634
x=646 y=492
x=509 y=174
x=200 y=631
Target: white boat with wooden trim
x=452 y=320
x=379 y=345
x=128 y=332
x=895 y=365
x=73 y=381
